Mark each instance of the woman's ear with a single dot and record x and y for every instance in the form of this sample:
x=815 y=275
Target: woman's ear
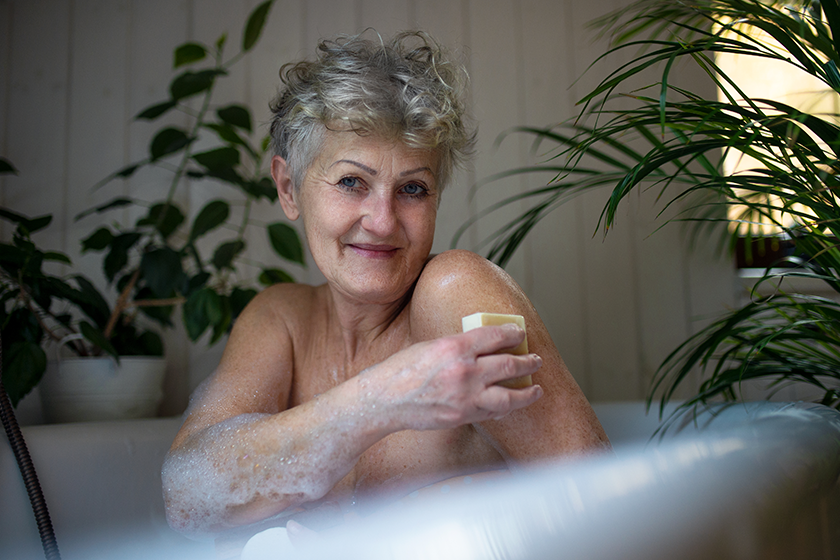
x=285 y=187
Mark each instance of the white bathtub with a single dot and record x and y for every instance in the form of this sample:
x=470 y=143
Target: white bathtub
x=757 y=481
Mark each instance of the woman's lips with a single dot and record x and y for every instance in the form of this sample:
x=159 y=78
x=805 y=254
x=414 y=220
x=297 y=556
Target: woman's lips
x=370 y=250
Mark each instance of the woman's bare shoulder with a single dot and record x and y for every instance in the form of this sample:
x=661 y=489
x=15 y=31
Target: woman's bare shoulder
x=278 y=306
x=458 y=283
x=283 y=298
x=273 y=315
x=272 y=320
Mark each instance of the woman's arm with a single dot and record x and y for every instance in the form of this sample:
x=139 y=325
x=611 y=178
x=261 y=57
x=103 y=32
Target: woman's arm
x=459 y=283
x=241 y=457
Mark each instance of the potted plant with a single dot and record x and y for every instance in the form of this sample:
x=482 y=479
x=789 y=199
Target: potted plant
x=163 y=260
x=42 y=309
x=674 y=140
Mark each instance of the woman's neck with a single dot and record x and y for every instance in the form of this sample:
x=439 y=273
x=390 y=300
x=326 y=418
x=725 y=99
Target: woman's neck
x=363 y=326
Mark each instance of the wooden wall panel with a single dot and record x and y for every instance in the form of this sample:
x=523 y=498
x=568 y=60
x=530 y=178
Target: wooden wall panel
x=281 y=42
x=614 y=306
x=6 y=37
x=157 y=27
x=97 y=125
x=212 y=19
x=37 y=118
x=327 y=18
x=496 y=68
x=445 y=21
x=554 y=242
x=385 y=16
x=608 y=267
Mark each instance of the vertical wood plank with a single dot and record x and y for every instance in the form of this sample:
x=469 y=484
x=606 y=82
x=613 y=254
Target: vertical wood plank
x=496 y=47
x=280 y=44
x=37 y=119
x=328 y=18
x=157 y=27
x=611 y=281
x=445 y=21
x=211 y=20
x=6 y=11
x=385 y=16
x=97 y=133
x=557 y=283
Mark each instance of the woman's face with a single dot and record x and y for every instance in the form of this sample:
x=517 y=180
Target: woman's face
x=368 y=208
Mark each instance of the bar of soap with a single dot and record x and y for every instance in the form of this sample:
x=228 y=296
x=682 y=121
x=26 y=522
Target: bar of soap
x=476 y=320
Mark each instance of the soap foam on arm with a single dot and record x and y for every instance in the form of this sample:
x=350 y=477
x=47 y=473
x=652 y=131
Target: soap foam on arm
x=496 y=319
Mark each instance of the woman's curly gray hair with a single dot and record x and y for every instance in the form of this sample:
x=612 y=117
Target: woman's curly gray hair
x=405 y=89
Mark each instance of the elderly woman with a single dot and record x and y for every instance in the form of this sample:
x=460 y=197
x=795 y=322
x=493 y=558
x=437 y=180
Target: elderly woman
x=331 y=396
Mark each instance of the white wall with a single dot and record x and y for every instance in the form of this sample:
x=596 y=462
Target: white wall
x=74 y=72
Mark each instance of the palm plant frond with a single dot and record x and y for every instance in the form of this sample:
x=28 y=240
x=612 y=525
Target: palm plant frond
x=675 y=142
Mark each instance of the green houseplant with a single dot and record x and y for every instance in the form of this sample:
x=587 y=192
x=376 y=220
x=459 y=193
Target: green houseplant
x=39 y=308
x=163 y=259
x=673 y=141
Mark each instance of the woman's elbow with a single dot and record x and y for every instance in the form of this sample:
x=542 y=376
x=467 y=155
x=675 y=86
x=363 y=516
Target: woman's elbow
x=201 y=504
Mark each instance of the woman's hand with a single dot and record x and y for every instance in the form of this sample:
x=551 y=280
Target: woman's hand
x=451 y=381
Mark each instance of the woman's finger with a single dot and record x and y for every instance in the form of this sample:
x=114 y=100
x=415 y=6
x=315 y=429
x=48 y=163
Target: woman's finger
x=492 y=339
x=503 y=367
x=498 y=401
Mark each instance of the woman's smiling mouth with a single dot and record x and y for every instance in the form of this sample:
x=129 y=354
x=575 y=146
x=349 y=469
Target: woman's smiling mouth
x=373 y=251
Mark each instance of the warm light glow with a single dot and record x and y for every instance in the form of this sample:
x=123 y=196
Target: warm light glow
x=762 y=78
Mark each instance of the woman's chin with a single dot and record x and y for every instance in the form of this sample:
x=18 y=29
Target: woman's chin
x=374 y=280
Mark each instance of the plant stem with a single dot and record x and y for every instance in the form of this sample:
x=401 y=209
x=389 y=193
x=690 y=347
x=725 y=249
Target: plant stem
x=156 y=302
x=27 y=301
x=121 y=305
x=179 y=172
x=245 y=215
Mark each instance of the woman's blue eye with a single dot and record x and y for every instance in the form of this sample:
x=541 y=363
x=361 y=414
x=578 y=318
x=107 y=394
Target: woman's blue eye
x=349 y=182
x=413 y=189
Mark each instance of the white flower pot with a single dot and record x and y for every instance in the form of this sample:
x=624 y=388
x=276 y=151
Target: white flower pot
x=92 y=389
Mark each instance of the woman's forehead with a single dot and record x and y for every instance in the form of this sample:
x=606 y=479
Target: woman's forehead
x=374 y=154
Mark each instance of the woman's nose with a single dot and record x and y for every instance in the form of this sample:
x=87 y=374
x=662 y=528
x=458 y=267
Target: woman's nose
x=380 y=215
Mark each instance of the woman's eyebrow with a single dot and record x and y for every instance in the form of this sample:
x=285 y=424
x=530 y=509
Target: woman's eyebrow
x=419 y=169
x=364 y=167
x=373 y=171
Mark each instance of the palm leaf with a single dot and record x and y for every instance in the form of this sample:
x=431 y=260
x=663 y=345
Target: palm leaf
x=674 y=141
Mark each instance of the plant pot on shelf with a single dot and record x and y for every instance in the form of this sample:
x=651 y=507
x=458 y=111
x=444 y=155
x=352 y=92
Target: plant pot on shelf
x=94 y=389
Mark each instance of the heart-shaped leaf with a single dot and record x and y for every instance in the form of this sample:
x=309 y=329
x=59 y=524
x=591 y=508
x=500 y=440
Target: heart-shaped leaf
x=168 y=141
x=226 y=252
x=162 y=271
x=236 y=115
x=255 y=24
x=189 y=53
x=211 y=216
x=286 y=242
x=271 y=276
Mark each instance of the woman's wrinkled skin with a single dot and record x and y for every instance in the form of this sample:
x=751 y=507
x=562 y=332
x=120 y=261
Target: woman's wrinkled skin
x=328 y=398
